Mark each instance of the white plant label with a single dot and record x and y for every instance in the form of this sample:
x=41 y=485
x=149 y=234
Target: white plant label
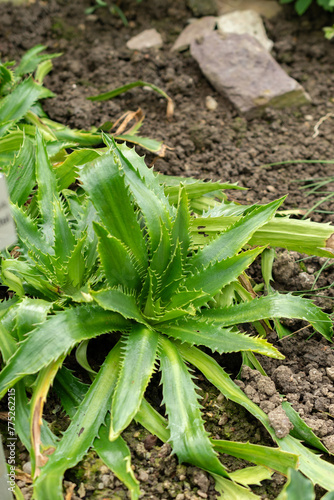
x=7 y=226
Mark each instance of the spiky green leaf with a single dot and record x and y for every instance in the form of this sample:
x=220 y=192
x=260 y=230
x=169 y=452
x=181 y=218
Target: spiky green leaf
x=140 y=350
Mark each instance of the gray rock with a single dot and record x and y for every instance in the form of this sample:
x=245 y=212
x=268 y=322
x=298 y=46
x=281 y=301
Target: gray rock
x=245 y=21
x=147 y=39
x=193 y=31
x=242 y=70
x=202 y=7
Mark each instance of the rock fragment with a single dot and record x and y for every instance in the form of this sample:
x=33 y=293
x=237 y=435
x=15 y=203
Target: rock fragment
x=280 y=422
x=266 y=8
x=246 y=21
x=202 y=7
x=243 y=71
x=197 y=29
x=147 y=39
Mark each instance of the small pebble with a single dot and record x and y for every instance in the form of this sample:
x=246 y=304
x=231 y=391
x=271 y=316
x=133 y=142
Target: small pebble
x=330 y=372
x=309 y=118
x=211 y=103
x=271 y=189
x=27 y=468
x=143 y=476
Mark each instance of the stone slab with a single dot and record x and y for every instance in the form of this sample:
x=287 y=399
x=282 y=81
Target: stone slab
x=245 y=21
x=199 y=28
x=240 y=68
x=147 y=39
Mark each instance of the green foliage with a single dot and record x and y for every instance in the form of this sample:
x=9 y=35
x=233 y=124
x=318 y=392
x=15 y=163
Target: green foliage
x=301 y=6
x=117 y=256
x=156 y=263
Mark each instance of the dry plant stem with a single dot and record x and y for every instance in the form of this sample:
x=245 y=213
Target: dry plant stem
x=319 y=122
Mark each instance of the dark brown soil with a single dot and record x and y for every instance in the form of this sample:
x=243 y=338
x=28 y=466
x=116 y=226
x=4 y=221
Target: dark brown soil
x=208 y=144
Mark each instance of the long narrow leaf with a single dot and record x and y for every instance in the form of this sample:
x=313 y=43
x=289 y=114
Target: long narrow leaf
x=189 y=439
x=82 y=431
x=273 y=306
x=57 y=336
x=140 y=351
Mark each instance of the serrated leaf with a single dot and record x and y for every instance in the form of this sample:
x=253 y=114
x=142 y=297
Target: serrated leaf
x=14 y=106
x=275 y=458
x=118 y=301
x=43 y=346
x=233 y=491
x=105 y=185
x=16 y=273
x=318 y=470
x=214 y=277
x=21 y=174
x=47 y=191
x=232 y=240
x=300 y=429
x=82 y=431
x=147 y=192
x=76 y=265
x=137 y=367
x=189 y=439
x=251 y=475
x=181 y=231
x=211 y=335
x=116 y=455
x=117 y=261
x=31 y=59
x=64 y=241
x=173 y=274
x=29 y=234
x=68 y=170
x=162 y=255
x=273 y=306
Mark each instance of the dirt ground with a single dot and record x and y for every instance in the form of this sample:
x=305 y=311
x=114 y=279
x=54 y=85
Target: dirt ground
x=207 y=144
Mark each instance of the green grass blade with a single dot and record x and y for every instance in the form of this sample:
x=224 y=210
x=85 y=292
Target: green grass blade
x=14 y=106
x=276 y=459
x=120 y=90
x=116 y=260
x=81 y=433
x=139 y=356
x=105 y=185
x=273 y=306
x=189 y=439
x=116 y=455
x=196 y=188
x=235 y=237
x=211 y=335
x=43 y=346
x=21 y=174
